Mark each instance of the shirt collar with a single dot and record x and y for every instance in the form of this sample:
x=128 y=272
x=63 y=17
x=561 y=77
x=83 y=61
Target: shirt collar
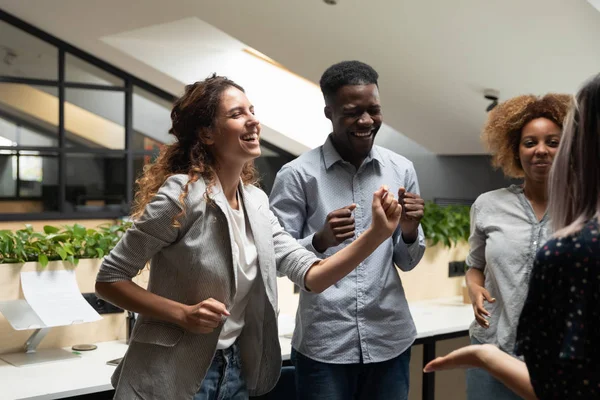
x=331 y=155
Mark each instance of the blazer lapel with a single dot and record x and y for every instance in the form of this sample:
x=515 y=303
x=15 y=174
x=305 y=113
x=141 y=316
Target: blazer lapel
x=262 y=233
x=219 y=199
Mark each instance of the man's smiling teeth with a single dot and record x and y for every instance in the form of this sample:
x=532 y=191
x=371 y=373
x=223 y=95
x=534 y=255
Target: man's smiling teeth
x=362 y=134
x=250 y=136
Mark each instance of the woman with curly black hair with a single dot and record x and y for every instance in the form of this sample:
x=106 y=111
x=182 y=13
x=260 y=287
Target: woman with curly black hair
x=559 y=327
x=509 y=225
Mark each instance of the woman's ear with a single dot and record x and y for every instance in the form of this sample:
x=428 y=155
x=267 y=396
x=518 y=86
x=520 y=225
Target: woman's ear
x=207 y=136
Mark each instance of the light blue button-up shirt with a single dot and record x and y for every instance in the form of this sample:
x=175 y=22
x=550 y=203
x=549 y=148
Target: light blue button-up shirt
x=365 y=314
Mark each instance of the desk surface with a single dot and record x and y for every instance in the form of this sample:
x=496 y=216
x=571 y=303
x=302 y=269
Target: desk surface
x=54 y=380
x=90 y=374
x=441 y=316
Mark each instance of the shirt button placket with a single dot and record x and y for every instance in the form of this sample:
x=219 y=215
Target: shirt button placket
x=360 y=301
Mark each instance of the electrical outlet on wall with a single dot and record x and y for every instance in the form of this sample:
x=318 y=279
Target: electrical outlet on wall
x=456 y=268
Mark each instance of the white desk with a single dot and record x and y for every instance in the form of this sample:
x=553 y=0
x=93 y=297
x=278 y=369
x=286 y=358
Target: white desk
x=55 y=380
x=434 y=319
x=441 y=316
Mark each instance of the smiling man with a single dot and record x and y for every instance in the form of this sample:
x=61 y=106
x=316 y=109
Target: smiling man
x=353 y=340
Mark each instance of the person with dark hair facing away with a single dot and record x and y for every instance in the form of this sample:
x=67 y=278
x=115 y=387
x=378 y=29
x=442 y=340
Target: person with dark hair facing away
x=353 y=340
x=509 y=225
x=559 y=326
x=208 y=320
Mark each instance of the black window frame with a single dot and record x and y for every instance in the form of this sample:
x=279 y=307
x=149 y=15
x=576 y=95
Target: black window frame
x=62 y=150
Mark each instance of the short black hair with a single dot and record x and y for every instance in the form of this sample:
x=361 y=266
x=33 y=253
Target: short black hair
x=346 y=73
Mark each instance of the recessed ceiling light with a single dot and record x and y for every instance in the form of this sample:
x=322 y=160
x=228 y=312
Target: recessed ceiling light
x=595 y=4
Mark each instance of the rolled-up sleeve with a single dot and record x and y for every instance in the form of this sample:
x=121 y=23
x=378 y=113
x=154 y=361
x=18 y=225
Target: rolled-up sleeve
x=477 y=239
x=293 y=260
x=152 y=232
x=407 y=256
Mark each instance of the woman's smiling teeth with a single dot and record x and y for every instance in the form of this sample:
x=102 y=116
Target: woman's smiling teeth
x=250 y=137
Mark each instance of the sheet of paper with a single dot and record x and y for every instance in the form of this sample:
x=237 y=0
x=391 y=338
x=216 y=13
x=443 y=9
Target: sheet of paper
x=20 y=315
x=55 y=297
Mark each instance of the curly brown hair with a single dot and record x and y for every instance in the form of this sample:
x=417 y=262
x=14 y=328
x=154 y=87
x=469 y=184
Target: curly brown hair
x=502 y=131
x=192 y=117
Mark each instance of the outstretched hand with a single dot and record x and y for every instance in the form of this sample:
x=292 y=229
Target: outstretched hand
x=465 y=357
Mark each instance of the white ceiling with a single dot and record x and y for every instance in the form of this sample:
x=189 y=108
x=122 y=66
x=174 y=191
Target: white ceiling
x=434 y=58
x=201 y=49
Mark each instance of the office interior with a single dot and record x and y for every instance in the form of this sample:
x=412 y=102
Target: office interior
x=86 y=89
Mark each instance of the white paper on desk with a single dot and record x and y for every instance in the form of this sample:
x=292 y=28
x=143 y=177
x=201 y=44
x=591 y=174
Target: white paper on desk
x=56 y=299
x=20 y=315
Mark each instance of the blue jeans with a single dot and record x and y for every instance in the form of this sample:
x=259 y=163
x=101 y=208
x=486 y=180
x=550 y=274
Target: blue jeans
x=483 y=386
x=387 y=380
x=224 y=380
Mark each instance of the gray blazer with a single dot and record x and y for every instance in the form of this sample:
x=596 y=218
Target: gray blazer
x=190 y=264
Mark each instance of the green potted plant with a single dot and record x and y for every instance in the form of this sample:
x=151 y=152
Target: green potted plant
x=447 y=225
x=69 y=243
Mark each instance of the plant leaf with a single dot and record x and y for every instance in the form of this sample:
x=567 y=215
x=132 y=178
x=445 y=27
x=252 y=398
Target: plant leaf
x=50 y=229
x=61 y=252
x=61 y=237
x=68 y=248
x=79 y=230
x=43 y=259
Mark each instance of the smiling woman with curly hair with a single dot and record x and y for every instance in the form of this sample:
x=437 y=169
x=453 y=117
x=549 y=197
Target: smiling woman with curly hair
x=509 y=225
x=502 y=132
x=209 y=312
x=559 y=324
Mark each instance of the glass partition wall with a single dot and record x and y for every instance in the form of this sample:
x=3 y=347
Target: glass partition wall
x=75 y=132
